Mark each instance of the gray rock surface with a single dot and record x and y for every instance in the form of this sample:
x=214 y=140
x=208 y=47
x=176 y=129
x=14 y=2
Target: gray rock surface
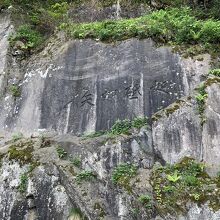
x=44 y=197
x=97 y=10
x=75 y=87
x=211 y=132
x=52 y=190
x=5 y=30
x=181 y=134
x=86 y=86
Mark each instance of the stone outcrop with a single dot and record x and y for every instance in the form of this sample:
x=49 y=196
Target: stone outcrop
x=74 y=87
x=52 y=188
x=5 y=30
x=86 y=86
x=181 y=134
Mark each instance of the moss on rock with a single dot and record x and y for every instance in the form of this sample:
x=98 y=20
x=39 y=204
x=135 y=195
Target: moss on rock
x=175 y=185
x=23 y=156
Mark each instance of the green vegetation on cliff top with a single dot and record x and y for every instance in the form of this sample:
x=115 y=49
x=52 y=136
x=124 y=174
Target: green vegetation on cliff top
x=175 y=25
x=35 y=21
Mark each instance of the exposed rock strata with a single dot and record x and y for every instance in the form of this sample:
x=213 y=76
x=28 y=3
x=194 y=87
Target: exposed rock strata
x=82 y=86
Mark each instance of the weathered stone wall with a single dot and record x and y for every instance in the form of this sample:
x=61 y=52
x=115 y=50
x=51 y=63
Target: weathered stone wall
x=45 y=197
x=74 y=87
x=95 y=10
x=182 y=134
x=52 y=190
x=85 y=86
x=5 y=30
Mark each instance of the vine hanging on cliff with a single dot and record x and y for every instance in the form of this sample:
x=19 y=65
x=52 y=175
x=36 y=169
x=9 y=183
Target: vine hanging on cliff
x=201 y=100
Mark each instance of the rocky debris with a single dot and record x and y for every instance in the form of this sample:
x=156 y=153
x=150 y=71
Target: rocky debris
x=106 y=177
x=49 y=185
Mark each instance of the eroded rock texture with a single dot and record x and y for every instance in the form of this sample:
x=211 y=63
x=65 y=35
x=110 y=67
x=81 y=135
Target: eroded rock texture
x=86 y=86
x=181 y=133
x=75 y=87
x=5 y=30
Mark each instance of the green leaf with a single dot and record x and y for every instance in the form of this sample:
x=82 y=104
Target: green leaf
x=173 y=178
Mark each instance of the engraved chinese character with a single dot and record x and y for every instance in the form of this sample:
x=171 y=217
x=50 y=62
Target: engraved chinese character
x=132 y=92
x=86 y=99
x=109 y=94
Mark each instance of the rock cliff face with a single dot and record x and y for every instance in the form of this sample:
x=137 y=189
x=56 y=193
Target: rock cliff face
x=5 y=30
x=84 y=86
x=74 y=87
x=181 y=134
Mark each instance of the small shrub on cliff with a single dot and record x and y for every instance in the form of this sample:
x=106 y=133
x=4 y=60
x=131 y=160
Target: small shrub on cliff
x=15 y=90
x=85 y=176
x=146 y=201
x=123 y=173
x=121 y=127
x=39 y=21
x=215 y=72
x=201 y=99
x=195 y=185
x=23 y=156
x=76 y=161
x=28 y=36
x=124 y=126
x=139 y=122
x=58 y=10
x=23 y=183
x=61 y=152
